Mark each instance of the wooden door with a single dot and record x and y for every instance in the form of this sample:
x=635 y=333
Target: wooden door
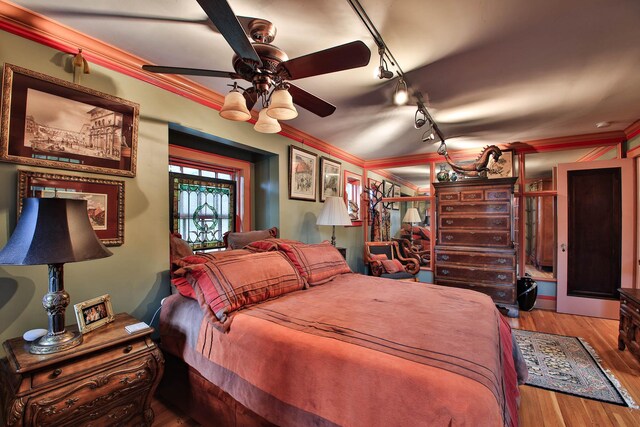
x=595 y=236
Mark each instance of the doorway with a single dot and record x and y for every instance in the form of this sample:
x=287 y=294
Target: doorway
x=595 y=229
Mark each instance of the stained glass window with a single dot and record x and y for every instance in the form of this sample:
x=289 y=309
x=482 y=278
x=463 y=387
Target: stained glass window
x=202 y=209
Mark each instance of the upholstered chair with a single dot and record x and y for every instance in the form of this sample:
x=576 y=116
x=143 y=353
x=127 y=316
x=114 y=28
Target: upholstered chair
x=380 y=256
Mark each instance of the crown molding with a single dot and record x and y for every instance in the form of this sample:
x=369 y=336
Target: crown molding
x=43 y=30
x=633 y=130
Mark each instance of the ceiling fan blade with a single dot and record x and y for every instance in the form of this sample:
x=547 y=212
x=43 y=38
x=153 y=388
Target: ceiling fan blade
x=222 y=16
x=189 y=71
x=251 y=97
x=344 y=57
x=310 y=102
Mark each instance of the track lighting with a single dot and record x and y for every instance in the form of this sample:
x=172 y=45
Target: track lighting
x=420 y=118
x=401 y=96
x=383 y=70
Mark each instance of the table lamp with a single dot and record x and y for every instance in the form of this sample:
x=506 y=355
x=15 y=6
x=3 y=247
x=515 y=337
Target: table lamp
x=334 y=212
x=53 y=231
x=412 y=217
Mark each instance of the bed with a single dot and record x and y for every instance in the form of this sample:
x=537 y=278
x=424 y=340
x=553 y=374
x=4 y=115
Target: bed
x=283 y=333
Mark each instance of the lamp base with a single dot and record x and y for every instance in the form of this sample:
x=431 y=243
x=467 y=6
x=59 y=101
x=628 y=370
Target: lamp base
x=51 y=343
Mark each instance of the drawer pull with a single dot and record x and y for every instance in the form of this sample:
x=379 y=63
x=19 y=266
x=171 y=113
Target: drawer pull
x=497 y=222
x=448 y=208
x=445 y=272
x=444 y=257
x=449 y=221
x=448 y=237
x=624 y=301
x=502 y=294
x=448 y=196
x=128 y=349
x=502 y=260
x=56 y=373
x=497 y=238
x=502 y=276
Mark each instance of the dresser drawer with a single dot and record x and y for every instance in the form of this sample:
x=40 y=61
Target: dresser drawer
x=470 y=195
x=64 y=371
x=498 y=239
x=450 y=197
x=499 y=294
x=507 y=261
x=475 y=274
x=489 y=222
x=497 y=194
x=479 y=208
x=66 y=404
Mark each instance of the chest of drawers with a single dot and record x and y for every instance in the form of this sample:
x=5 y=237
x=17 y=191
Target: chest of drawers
x=475 y=238
x=629 y=330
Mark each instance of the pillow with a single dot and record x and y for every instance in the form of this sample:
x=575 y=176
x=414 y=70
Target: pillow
x=379 y=257
x=317 y=263
x=183 y=286
x=178 y=247
x=189 y=262
x=269 y=244
x=227 y=285
x=392 y=266
x=238 y=240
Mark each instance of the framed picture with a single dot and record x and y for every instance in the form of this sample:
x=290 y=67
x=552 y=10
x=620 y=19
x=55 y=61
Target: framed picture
x=503 y=168
x=352 y=191
x=56 y=124
x=387 y=191
x=396 y=193
x=330 y=172
x=303 y=170
x=93 y=313
x=105 y=199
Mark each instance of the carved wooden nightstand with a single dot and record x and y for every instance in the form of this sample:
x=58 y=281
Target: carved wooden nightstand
x=109 y=379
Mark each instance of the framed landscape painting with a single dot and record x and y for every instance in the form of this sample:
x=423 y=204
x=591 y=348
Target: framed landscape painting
x=53 y=123
x=330 y=172
x=105 y=199
x=303 y=170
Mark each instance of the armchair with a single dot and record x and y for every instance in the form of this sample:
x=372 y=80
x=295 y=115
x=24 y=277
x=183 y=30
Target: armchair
x=374 y=255
x=416 y=251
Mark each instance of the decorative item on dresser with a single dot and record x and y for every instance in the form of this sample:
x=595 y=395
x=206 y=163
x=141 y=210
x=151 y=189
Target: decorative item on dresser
x=109 y=379
x=475 y=238
x=629 y=321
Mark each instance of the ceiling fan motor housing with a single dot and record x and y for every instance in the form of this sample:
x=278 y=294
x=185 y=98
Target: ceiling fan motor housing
x=271 y=57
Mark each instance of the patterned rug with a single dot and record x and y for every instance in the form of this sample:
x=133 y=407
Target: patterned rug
x=569 y=365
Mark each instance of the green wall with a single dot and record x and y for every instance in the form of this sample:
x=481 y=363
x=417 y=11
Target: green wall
x=136 y=275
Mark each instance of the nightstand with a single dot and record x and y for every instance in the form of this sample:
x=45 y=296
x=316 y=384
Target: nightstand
x=343 y=252
x=109 y=379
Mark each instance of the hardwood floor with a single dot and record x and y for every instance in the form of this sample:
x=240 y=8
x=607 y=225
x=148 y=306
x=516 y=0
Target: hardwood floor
x=539 y=407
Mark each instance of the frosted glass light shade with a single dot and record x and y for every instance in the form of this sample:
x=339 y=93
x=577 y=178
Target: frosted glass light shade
x=334 y=212
x=412 y=216
x=235 y=107
x=266 y=124
x=282 y=107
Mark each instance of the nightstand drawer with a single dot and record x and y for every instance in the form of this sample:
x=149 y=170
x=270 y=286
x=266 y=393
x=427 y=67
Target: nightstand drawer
x=62 y=372
x=87 y=395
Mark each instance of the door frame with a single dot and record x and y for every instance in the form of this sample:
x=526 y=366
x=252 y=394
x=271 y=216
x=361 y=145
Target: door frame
x=593 y=306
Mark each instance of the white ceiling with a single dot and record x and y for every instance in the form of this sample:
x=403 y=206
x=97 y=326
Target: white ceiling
x=494 y=71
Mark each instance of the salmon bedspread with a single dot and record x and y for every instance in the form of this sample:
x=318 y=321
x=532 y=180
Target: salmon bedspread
x=366 y=351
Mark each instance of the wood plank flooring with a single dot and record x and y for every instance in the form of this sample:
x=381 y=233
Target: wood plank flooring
x=541 y=408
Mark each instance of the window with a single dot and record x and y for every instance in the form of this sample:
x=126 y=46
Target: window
x=202 y=209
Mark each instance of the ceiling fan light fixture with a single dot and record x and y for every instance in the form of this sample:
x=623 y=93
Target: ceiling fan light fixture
x=235 y=107
x=266 y=124
x=281 y=107
x=401 y=95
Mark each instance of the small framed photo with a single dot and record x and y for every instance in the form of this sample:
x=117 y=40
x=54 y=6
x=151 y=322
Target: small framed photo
x=93 y=313
x=503 y=167
x=303 y=171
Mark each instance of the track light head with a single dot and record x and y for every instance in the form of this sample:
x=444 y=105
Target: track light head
x=401 y=95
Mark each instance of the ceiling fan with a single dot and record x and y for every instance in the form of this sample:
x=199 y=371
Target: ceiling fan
x=268 y=68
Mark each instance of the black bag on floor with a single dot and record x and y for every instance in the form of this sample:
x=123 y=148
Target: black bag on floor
x=527 y=292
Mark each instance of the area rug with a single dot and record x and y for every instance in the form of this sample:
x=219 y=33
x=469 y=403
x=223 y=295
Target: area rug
x=569 y=365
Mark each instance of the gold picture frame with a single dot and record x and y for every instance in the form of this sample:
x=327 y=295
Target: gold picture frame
x=90 y=131
x=94 y=313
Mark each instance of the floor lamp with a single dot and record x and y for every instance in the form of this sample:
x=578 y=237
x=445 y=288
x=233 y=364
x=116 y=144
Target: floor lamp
x=412 y=217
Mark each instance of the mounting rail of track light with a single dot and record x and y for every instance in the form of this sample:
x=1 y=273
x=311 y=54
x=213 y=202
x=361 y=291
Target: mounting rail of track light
x=422 y=116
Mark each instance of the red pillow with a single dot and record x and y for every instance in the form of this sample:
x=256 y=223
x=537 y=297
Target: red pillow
x=266 y=245
x=379 y=257
x=183 y=287
x=232 y=283
x=317 y=263
x=392 y=266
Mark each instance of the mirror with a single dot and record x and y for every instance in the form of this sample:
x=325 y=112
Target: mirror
x=352 y=190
